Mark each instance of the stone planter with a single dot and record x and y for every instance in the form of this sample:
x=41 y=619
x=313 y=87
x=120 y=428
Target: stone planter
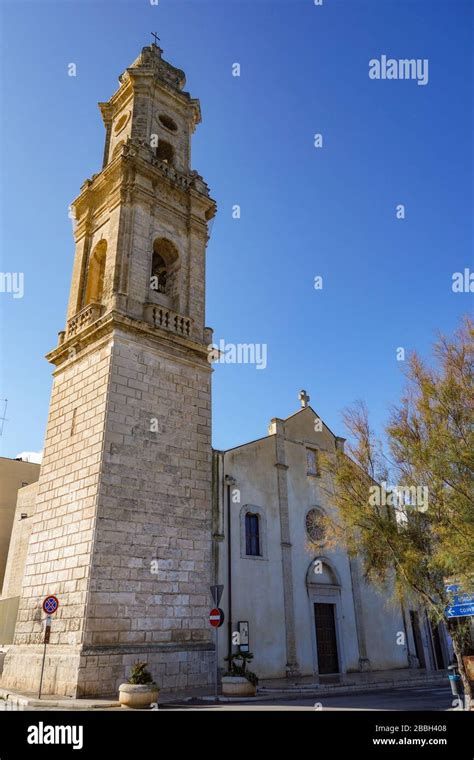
x=237 y=686
x=138 y=696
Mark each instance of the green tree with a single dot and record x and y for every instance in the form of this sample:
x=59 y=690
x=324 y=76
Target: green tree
x=418 y=534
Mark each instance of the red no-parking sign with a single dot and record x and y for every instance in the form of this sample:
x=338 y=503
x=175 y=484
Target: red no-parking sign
x=216 y=617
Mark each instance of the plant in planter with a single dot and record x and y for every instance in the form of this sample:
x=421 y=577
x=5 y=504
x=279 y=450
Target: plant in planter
x=140 y=691
x=239 y=681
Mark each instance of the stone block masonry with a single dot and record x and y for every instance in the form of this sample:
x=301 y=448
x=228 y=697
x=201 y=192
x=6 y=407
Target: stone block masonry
x=122 y=526
x=122 y=530
x=59 y=550
x=151 y=566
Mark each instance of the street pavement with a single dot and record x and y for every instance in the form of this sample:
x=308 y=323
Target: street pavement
x=436 y=698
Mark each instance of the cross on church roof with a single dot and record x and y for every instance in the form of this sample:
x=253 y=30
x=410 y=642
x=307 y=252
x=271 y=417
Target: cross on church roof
x=154 y=34
x=304 y=398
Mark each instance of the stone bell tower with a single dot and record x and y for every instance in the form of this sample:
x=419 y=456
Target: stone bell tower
x=122 y=530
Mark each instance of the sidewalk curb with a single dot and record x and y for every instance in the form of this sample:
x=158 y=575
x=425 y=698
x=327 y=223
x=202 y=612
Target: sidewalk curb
x=366 y=686
x=74 y=704
x=273 y=695
x=265 y=694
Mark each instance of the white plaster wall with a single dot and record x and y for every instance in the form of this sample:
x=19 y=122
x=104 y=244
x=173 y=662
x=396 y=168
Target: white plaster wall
x=305 y=492
x=257 y=592
x=258 y=583
x=383 y=622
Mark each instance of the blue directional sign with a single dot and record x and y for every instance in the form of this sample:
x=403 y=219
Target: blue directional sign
x=460 y=610
x=462 y=605
x=453 y=588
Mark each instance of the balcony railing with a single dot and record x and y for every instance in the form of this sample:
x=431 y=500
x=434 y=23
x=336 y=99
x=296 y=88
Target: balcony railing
x=84 y=317
x=161 y=316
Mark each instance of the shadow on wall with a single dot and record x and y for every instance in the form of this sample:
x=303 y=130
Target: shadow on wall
x=8 y=616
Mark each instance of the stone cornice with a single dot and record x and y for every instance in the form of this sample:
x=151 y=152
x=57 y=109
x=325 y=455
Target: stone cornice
x=150 y=69
x=116 y=184
x=110 y=107
x=143 y=81
x=113 y=320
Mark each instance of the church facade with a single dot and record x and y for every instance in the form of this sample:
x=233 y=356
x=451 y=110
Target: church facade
x=302 y=603
x=134 y=515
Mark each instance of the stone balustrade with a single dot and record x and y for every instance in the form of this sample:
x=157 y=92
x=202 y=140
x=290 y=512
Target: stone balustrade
x=83 y=318
x=161 y=316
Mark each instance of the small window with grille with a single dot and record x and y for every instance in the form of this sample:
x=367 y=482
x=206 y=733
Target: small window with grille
x=312 y=462
x=252 y=535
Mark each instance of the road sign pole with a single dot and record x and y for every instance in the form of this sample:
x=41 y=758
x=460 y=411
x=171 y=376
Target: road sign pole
x=50 y=605
x=47 y=630
x=217 y=663
x=42 y=671
x=216 y=618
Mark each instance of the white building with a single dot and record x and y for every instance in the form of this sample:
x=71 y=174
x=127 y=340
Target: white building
x=309 y=610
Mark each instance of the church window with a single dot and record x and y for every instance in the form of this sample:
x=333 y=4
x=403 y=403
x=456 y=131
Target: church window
x=168 y=122
x=165 y=152
x=312 y=462
x=96 y=273
x=252 y=535
x=315 y=525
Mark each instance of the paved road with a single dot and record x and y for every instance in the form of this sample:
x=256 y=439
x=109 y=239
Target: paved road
x=418 y=698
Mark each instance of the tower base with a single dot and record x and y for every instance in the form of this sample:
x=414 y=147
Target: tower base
x=98 y=671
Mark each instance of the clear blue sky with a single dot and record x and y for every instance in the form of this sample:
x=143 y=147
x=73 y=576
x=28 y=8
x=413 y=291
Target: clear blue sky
x=305 y=211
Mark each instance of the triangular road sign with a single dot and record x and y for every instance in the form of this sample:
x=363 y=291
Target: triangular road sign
x=216 y=592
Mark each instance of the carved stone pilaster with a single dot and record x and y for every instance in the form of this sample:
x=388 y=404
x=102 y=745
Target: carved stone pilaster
x=364 y=661
x=292 y=667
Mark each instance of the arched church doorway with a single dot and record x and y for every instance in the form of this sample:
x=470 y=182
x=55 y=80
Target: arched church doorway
x=324 y=594
x=326 y=639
